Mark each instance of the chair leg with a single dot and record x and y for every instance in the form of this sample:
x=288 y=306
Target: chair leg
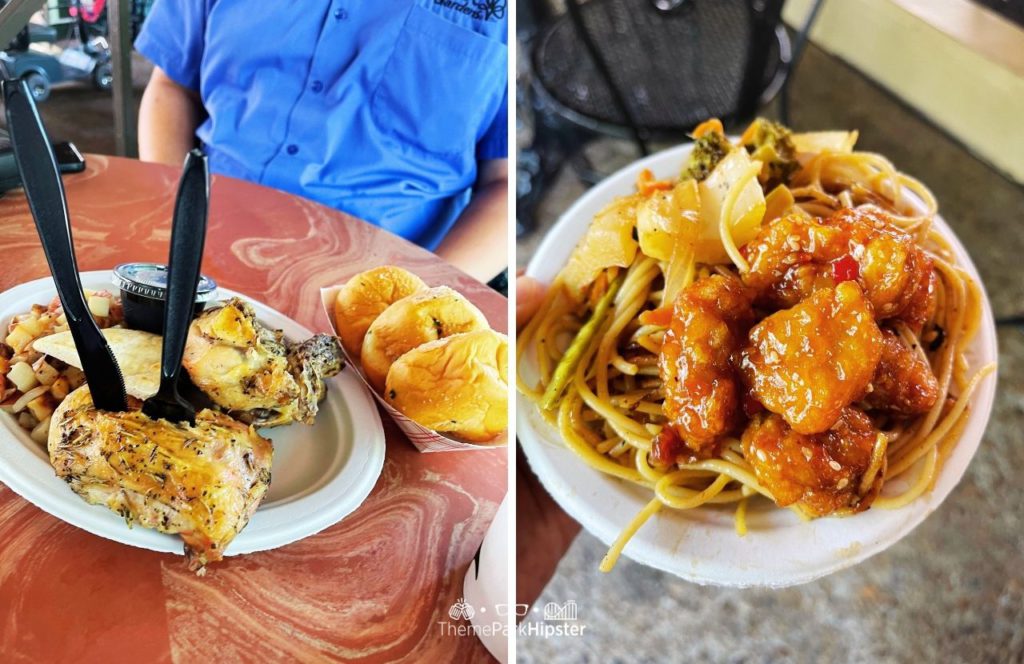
x=798 y=48
x=529 y=184
x=584 y=170
x=555 y=143
x=784 y=101
x=801 y=38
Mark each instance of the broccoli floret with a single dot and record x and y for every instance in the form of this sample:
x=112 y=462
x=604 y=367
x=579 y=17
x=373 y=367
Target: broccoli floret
x=772 y=144
x=709 y=149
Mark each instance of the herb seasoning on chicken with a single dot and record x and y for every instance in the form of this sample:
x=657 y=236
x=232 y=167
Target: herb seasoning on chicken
x=202 y=481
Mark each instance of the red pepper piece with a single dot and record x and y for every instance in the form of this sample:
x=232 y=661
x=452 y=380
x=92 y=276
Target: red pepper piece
x=845 y=269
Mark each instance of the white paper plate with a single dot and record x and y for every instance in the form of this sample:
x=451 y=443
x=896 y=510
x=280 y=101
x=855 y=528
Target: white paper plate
x=320 y=473
x=701 y=545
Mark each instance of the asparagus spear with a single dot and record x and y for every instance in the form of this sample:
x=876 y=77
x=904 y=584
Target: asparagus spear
x=567 y=365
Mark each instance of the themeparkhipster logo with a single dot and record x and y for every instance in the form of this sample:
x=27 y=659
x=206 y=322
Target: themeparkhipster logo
x=555 y=620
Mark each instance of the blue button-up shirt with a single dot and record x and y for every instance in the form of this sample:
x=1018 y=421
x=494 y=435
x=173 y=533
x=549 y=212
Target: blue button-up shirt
x=382 y=109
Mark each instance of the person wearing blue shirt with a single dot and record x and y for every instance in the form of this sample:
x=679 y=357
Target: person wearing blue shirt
x=395 y=112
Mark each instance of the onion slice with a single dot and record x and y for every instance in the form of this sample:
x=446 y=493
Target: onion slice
x=20 y=404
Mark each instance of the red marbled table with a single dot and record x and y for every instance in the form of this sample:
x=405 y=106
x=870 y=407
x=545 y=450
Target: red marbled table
x=371 y=588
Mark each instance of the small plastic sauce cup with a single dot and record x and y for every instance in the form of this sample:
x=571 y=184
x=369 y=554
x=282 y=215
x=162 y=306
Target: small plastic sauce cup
x=143 y=293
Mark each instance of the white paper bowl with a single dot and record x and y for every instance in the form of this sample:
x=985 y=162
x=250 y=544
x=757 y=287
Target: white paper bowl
x=701 y=545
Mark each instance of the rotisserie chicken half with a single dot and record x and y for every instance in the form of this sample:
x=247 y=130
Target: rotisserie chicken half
x=202 y=481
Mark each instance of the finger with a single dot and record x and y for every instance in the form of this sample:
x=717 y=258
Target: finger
x=529 y=295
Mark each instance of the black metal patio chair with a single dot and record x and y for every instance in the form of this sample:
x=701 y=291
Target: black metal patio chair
x=645 y=70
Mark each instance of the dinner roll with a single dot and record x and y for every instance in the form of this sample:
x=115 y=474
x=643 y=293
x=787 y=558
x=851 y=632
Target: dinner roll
x=458 y=385
x=414 y=320
x=365 y=297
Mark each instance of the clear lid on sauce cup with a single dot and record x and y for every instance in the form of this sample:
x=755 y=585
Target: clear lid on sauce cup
x=144 y=291
x=150 y=280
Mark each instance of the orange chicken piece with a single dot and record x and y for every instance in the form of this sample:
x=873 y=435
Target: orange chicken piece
x=904 y=382
x=822 y=473
x=702 y=391
x=809 y=362
x=794 y=256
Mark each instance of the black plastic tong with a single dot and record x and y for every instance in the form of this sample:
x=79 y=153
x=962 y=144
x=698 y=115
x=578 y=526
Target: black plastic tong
x=46 y=200
x=188 y=237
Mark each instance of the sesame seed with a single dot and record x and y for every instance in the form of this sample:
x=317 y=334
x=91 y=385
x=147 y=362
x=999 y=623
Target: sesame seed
x=834 y=465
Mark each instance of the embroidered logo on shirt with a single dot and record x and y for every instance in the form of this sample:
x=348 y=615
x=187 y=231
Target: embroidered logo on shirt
x=481 y=10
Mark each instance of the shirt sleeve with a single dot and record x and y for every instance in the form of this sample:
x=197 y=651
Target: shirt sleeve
x=494 y=143
x=172 y=39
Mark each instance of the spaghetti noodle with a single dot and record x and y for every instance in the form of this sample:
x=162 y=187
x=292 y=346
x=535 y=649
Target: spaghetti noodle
x=597 y=338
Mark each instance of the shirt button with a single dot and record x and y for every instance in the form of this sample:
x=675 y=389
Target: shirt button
x=317 y=86
x=340 y=14
x=292 y=149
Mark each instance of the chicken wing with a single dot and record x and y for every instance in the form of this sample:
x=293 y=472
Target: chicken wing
x=809 y=362
x=252 y=372
x=839 y=469
x=702 y=392
x=202 y=481
x=309 y=362
x=794 y=256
